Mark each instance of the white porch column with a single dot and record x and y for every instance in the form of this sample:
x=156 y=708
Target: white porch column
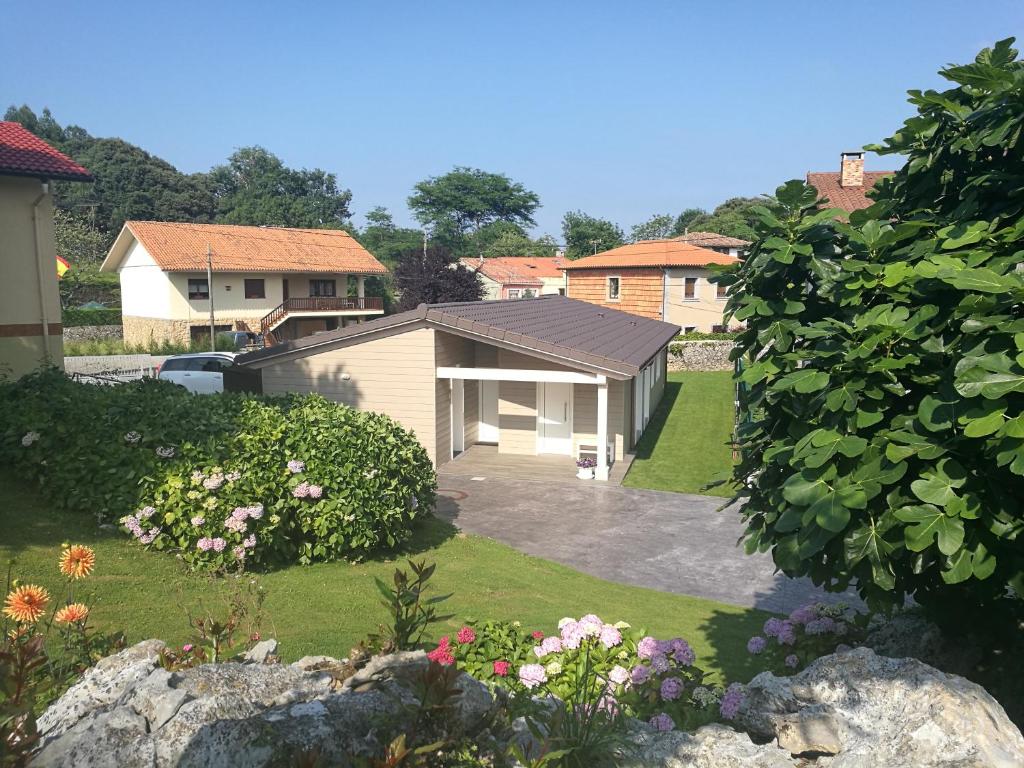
x=360 y=287
x=601 y=473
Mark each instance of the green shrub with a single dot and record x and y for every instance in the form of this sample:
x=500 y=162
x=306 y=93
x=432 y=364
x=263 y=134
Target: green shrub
x=701 y=336
x=176 y=468
x=73 y=318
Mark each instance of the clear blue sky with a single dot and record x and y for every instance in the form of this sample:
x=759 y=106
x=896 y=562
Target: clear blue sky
x=621 y=109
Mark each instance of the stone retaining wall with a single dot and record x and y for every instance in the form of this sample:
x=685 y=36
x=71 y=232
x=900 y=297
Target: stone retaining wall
x=700 y=356
x=93 y=332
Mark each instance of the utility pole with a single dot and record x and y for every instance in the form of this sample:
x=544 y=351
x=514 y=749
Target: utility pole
x=595 y=243
x=209 y=288
x=424 y=246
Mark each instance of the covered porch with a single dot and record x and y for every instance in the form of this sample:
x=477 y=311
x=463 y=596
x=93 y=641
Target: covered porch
x=485 y=462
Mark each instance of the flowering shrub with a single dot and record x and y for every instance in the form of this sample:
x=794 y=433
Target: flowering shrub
x=637 y=675
x=809 y=632
x=224 y=479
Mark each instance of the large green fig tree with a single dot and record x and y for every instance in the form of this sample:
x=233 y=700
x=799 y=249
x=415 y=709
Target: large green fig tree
x=882 y=365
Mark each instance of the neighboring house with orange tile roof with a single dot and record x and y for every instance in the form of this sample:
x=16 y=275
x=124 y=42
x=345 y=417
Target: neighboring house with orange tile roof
x=30 y=317
x=660 y=279
x=284 y=283
x=518 y=277
x=848 y=188
x=731 y=246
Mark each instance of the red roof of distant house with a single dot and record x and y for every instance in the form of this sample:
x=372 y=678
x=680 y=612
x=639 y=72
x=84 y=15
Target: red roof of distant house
x=22 y=153
x=851 y=198
x=518 y=270
x=711 y=240
x=652 y=253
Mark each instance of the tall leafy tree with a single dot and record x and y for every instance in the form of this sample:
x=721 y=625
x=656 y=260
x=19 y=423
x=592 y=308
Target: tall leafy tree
x=684 y=221
x=465 y=199
x=585 y=235
x=255 y=187
x=883 y=444
x=736 y=217
x=432 y=277
x=384 y=239
x=658 y=227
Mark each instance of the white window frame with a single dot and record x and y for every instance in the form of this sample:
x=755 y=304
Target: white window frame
x=696 y=289
x=514 y=293
x=608 y=287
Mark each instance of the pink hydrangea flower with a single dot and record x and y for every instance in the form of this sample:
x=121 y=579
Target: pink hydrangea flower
x=198 y=520
x=218 y=544
x=255 y=511
x=572 y=635
x=301 y=490
x=610 y=636
x=146 y=512
x=250 y=541
x=442 y=654
x=213 y=482
x=205 y=544
x=315 y=491
x=295 y=466
x=590 y=625
x=548 y=645
x=537 y=634
x=532 y=675
x=147 y=538
x=238 y=552
x=501 y=668
x=647 y=647
x=240 y=513
x=186 y=647
x=465 y=635
x=618 y=675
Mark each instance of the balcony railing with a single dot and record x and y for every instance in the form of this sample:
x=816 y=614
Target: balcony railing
x=328 y=304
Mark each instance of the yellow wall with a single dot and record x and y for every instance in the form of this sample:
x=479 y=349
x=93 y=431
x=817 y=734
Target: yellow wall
x=702 y=312
x=22 y=346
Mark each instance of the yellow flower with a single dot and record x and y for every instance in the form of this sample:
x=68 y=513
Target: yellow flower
x=26 y=604
x=77 y=561
x=72 y=614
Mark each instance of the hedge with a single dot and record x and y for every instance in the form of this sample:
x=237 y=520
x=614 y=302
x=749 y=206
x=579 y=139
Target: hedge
x=224 y=479
x=74 y=318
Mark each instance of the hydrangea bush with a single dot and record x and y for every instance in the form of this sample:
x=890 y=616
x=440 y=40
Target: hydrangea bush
x=810 y=631
x=224 y=480
x=638 y=675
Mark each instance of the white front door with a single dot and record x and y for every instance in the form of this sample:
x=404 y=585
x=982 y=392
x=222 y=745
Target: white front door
x=458 y=417
x=488 y=430
x=554 y=418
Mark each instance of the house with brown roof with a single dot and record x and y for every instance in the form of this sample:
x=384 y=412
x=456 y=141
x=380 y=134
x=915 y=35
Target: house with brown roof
x=731 y=246
x=518 y=277
x=283 y=283
x=510 y=384
x=848 y=187
x=658 y=279
x=30 y=317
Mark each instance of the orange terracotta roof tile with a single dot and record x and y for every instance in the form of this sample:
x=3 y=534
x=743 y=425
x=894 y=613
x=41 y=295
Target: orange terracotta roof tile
x=847 y=198
x=712 y=240
x=180 y=247
x=652 y=253
x=522 y=270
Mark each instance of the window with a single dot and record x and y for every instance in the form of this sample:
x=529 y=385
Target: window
x=561 y=291
x=719 y=329
x=322 y=288
x=513 y=293
x=215 y=364
x=198 y=288
x=255 y=289
x=721 y=291
x=690 y=288
x=613 y=289
x=689 y=328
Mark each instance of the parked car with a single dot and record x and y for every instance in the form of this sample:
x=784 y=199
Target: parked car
x=201 y=373
x=241 y=339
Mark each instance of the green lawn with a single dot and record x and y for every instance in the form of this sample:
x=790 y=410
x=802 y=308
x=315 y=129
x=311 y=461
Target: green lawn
x=329 y=607
x=686 y=445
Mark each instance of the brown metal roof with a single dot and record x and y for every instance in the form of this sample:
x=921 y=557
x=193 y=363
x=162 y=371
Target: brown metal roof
x=576 y=332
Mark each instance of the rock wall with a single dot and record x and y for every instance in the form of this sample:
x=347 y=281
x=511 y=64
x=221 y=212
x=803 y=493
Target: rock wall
x=93 y=332
x=852 y=709
x=700 y=356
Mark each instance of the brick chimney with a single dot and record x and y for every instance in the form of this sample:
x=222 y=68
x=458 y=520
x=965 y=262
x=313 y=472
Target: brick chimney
x=851 y=169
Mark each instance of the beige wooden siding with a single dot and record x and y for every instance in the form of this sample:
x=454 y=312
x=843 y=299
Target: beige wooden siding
x=472 y=414
x=517 y=417
x=393 y=375
x=658 y=389
x=510 y=359
x=584 y=416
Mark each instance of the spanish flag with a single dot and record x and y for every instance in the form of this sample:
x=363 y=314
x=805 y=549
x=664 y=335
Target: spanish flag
x=62 y=267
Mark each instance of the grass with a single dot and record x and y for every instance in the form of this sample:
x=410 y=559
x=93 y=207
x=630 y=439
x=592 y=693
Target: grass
x=686 y=445
x=327 y=608
x=118 y=347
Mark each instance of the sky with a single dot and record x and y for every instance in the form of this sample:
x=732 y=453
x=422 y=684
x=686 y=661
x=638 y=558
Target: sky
x=620 y=109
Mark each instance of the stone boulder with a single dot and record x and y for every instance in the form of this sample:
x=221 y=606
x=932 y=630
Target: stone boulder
x=856 y=709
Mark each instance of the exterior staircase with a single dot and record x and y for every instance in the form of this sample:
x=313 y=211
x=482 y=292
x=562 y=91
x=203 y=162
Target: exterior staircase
x=311 y=306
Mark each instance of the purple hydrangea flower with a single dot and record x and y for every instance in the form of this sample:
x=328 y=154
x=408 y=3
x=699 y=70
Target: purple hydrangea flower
x=804 y=614
x=756 y=644
x=148 y=536
x=610 y=636
x=659 y=663
x=295 y=466
x=532 y=675
x=822 y=626
x=662 y=722
x=772 y=627
x=671 y=688
x=640 y=674
x=787 y=635
x=792 y=661
x=647 y=647
x=731 y=701
x=682 y=652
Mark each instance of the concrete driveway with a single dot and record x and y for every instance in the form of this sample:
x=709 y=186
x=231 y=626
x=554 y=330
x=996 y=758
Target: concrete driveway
x=667 y=541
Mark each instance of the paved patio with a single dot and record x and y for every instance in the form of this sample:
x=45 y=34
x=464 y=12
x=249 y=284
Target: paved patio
x=667 y=541
x=485 y=461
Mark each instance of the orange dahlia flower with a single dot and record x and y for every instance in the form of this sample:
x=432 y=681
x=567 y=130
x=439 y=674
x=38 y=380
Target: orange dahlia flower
x=26 y=604
x=72 y=613
x=77 y=561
